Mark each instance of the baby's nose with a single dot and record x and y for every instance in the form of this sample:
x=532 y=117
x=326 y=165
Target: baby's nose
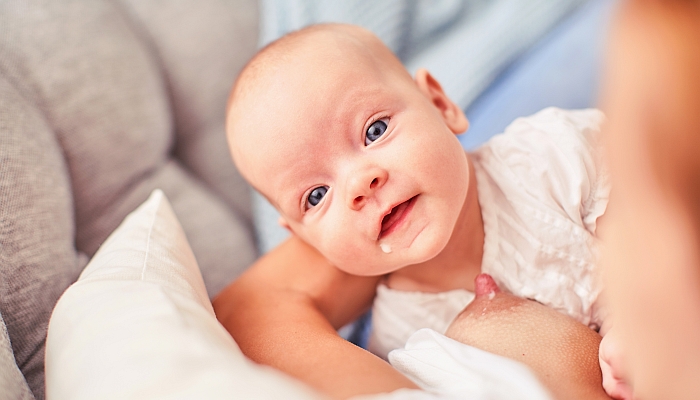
x=363 y=185
x=359 y=201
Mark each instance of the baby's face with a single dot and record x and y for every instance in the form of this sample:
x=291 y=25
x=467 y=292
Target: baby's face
x=360 y=162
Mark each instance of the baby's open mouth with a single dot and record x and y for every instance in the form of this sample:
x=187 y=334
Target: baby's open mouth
x=392 y=220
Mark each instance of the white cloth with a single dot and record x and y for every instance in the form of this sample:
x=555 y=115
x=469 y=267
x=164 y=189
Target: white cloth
x=138 y=325
x=446 y=369
x=541 y=185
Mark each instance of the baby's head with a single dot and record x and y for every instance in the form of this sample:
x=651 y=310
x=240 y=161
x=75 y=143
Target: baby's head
x=360 y=159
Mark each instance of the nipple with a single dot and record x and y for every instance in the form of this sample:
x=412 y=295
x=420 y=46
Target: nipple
x=485 y=286
x=385 y=247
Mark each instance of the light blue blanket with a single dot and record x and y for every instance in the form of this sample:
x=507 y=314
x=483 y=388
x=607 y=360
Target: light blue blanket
x=465 y=44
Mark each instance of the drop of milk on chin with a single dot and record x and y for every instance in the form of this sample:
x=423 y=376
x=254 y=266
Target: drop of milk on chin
x=385 y=247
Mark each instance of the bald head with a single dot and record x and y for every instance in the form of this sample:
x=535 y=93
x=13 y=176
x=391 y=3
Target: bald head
x=321 y=110
x=292 y=68
x=341 y=42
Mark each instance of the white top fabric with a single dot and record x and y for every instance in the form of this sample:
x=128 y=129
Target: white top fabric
x=440 y=365
x=542 y=185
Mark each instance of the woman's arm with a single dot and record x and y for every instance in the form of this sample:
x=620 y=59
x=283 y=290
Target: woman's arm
x=284 y=312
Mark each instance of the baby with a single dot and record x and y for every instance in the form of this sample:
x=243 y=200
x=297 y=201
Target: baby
x=362 y=162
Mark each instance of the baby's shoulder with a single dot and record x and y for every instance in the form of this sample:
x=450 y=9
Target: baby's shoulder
x=552 y=160
x=550 y=132
x=553 y=143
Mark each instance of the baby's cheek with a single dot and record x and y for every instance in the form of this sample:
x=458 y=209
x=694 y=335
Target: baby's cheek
x=348 y=253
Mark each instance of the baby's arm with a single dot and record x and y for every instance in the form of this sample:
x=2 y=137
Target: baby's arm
x=284 y=312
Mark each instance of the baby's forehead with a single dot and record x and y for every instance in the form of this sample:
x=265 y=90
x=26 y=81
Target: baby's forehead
x=331 y=45
x=276 y=90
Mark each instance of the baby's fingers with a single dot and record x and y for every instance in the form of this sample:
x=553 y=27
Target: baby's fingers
x=610 y=365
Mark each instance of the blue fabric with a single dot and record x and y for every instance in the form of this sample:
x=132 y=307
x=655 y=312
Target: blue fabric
x=562 y=70
x=465 y=44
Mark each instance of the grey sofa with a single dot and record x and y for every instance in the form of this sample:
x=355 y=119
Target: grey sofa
x=101 y=102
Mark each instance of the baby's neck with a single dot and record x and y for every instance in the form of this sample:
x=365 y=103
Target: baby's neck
x=456 y=266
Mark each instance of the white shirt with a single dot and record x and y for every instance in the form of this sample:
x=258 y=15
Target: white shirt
x=542 y=185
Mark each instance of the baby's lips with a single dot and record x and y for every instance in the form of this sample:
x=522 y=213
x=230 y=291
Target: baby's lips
x=484 y=285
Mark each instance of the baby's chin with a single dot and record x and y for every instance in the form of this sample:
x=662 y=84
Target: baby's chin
x=386 y=259
x=375 y=267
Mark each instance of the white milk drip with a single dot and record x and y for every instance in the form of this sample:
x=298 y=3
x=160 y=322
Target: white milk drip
x=385 y=247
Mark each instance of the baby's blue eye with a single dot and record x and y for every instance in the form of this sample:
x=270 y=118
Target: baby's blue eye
x=315 y=196
x=375 y=131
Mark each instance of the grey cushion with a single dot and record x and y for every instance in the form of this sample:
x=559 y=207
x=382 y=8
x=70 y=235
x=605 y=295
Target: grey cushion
x=38 y=258
x=198 y=74
x=101 y=102
x=12 y=383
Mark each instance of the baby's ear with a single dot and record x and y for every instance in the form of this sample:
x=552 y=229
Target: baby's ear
x=283 y=223
x=453 y=115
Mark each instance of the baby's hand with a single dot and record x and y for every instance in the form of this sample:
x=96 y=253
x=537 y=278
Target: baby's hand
x=611 y=365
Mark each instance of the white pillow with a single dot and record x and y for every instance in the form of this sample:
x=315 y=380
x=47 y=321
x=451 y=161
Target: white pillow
x=138 y=325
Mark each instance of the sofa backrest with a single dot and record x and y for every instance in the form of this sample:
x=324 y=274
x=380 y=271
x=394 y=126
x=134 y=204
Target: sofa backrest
x=100 y=103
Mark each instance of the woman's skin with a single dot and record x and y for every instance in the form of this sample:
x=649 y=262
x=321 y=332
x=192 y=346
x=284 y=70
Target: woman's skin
x=562 y=352
x=652 y=232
